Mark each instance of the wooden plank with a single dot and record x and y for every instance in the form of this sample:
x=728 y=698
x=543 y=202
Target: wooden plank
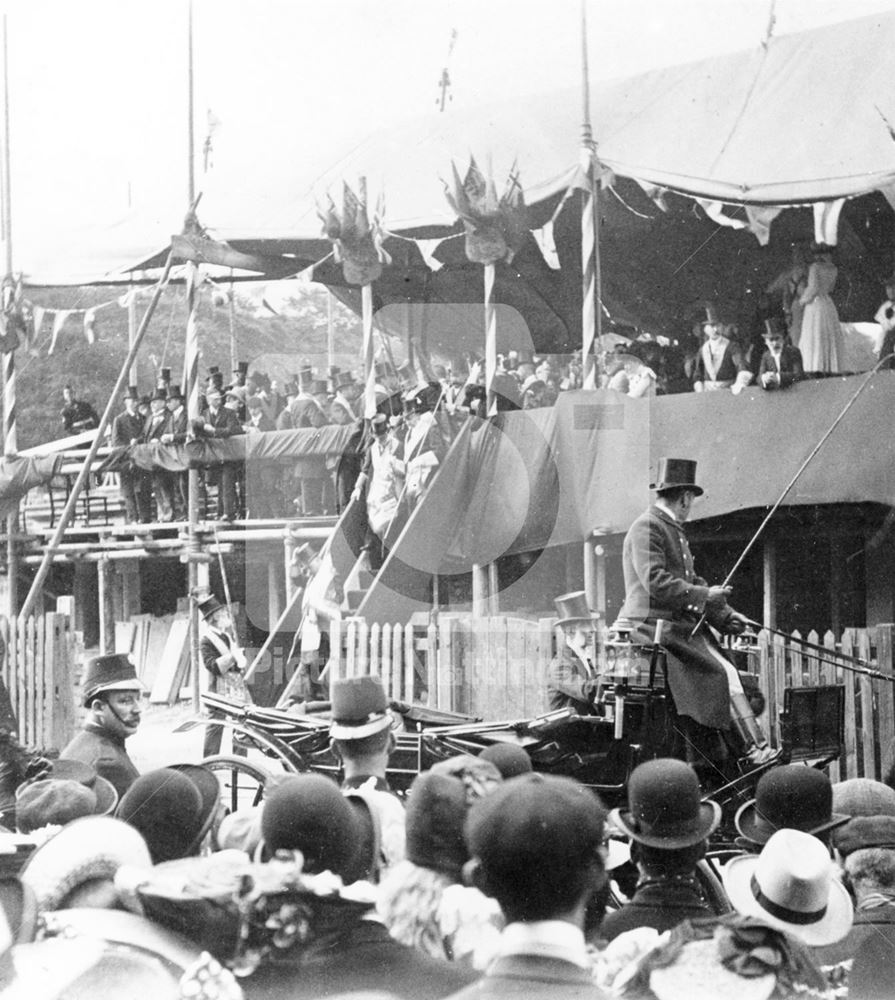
x=462 y=664
x=43 y=679
x=866 y=763
x=64 y=682
x=885 y=649
x=778 y=667
x=168 y=679
x=351 y=648
x=28 y=694
x=445 y=664
x=851 y=736
x=398 y=662
x=431 y=673
x=515 y=667
x=375 y=642
x=386 y=662
x=811 y=671
x=409 y=665
x=125 y=635
x=362 y=664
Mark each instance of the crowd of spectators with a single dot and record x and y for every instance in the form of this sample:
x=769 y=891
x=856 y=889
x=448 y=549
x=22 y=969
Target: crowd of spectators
x=488 y=880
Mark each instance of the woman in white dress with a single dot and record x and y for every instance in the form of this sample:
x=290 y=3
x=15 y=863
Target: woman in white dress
x=821 y=340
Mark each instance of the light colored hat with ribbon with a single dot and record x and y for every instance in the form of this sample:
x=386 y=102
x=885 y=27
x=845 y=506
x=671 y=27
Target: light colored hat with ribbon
x=791 y=885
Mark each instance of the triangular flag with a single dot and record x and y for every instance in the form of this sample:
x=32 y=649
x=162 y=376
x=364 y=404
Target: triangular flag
x=826 y=221
x=90 y=326
x=61 y=315
x=760 y=218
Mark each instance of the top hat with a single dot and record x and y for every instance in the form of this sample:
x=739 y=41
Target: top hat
x=791 y=886
x=174 y=392
x=871 y=807
x=317 y=387
x=173 y=808
x=110 y=672
x=711 y=315
x=793 y=797
x=407 y=376
x=132 y=392
x=572 y=607
x=290 y=389
x=343 y=379
x=359 y=708
x=159 y=393
x=242 y=368
x=773 y=327
x=379 y=424
x=664 y=806
x=165 y=375
x=305 y=376
x=210 y=607
x=673 y=472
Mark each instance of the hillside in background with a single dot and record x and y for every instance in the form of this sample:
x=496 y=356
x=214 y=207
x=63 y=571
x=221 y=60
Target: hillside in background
x=91 y=369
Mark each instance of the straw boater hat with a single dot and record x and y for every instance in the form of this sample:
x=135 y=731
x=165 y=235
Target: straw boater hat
x=572 y=608
x=673 y=472
x=665 y=808
x=359 y=708
x=791 y=885
x=111 y=672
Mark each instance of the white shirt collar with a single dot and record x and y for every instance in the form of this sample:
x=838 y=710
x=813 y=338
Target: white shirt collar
x=545 y=938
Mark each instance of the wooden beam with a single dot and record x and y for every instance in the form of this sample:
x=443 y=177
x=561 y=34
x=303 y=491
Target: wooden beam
x=769 y=580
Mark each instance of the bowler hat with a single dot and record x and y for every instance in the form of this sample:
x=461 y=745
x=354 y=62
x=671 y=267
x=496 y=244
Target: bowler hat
x=572 y=608
x=664 y=806
x=359 y=708
x=535 y=825
x=674 y=472
x=794 y=797
x=870 y=806
x=173 y=808
x=509 y=758
x=308 y=813
x=791 y=886
x=110 y=672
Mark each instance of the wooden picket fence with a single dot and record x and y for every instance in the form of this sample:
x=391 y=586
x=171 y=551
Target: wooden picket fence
x=869 y=702
x=39 y=673
x=495 y=668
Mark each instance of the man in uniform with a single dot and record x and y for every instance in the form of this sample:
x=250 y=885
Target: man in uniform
x=660 y=584
x=571 y=679
x=112 y=696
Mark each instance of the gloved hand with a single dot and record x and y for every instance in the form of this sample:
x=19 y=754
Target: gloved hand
x=717 y=597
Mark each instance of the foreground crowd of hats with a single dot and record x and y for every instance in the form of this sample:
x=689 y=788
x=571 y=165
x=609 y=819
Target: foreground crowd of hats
x=489 y=880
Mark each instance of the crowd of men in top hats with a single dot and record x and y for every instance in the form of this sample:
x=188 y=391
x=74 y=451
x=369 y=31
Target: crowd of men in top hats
x=488 y=880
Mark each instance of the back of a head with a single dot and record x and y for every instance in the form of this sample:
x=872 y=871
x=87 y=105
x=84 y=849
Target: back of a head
x=535 y=840
x=308 y=813
x=509 y=758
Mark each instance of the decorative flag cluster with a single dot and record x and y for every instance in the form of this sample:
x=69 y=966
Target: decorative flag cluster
x=496 y=227
x=357 y=242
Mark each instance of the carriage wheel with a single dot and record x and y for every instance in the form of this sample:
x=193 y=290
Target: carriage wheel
x=242 y=782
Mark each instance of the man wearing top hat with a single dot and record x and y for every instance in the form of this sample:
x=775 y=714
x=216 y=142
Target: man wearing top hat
x=719 y=363
x=661 y=585
x=154 y=429
x=571 y=677
x=224 y=660
x=219 y=422
x=176 y=432
x=781 y=363
x=127 y=430
x=112 y=697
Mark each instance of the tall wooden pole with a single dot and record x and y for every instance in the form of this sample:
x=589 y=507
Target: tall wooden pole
x=10 y=428
x=591 y=283
x=490 y=342
x=192 y=389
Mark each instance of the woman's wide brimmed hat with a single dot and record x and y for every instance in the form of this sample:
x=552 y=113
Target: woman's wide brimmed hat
x=665 y=809
x=675 y=472
x=792 y=886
